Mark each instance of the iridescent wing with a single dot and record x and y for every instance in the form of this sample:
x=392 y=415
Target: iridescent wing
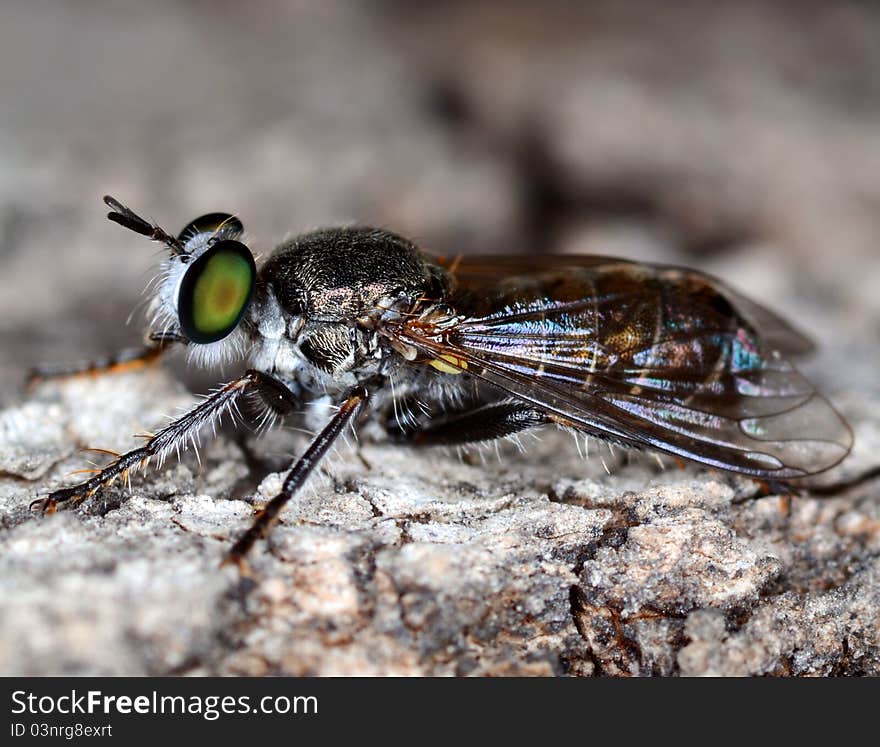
x=480 y=273
x=647 y=356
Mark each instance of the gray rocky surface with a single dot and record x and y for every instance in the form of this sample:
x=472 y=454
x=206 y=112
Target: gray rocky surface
x=739 y=137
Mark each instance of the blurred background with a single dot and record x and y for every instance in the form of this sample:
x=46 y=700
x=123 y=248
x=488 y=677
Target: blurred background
x=739 y=137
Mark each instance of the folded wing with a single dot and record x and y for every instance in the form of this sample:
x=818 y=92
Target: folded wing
x=647 y=356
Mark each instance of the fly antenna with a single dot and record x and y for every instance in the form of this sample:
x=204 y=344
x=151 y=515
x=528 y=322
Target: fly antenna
x=127 y=218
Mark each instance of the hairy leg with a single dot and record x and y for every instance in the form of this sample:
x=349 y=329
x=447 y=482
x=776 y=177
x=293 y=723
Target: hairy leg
x=124 y=360
x=174 y=437
x=483 y=423
x=304 y=466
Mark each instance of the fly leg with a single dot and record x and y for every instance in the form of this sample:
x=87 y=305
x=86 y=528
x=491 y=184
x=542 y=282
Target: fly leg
x=276 y=395
x=124 y=360
x=304 y=466
x=174 y=437
x=484 y=423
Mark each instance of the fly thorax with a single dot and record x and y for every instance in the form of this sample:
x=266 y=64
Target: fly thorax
x=329 y=347
x=275 y=350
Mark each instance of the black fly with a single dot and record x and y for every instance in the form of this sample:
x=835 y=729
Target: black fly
x=473 y=349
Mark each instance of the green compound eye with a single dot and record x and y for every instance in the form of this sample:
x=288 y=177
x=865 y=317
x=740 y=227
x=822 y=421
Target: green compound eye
x=210 y=225
x=215 y=291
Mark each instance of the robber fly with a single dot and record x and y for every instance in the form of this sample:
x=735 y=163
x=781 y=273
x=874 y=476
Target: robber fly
x=471 y=349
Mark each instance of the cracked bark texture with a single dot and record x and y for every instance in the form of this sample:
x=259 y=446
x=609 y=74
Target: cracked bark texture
x=702 y=135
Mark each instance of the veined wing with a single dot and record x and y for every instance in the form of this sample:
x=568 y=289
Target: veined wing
x=479 y=274
x=656 y=357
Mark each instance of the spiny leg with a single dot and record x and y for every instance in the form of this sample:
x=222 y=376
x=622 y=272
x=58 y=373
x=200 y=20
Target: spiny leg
x=176 y=436
x=276 y=395
x=124 y=360
x=304 y=466
x=483 y=423
x=276 y=401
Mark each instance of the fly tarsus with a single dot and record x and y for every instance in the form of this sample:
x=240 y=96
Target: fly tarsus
x=120 y=467
x=304 y=466
x=124 y=360
x=173 y=438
